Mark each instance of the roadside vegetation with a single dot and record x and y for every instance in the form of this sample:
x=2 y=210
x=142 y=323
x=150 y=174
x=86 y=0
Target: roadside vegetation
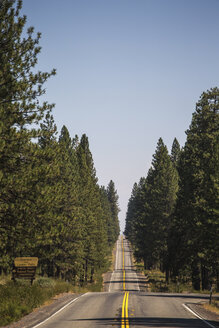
x=172 y=219
x=51 y=205
x=156 y=282
x=213 y=307
x=20 y=298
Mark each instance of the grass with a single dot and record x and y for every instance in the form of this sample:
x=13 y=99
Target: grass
x=18 y=299
x=213 y=307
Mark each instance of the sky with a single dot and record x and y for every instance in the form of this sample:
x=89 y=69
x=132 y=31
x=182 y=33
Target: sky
x=128 y=73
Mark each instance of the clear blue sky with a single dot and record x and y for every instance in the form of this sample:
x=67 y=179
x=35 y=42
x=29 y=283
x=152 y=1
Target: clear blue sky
x=128 y=72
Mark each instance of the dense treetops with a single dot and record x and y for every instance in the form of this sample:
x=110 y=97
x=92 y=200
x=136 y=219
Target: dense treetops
x=173 y=214
x=51 y=205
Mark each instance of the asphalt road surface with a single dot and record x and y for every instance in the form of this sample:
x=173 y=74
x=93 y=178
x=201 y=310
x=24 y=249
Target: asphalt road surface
x=126 y=305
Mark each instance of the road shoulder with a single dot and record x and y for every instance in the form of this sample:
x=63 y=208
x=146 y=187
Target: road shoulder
x=206 y=315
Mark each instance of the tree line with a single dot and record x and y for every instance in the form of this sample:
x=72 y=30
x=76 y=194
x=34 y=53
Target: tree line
x=172 y=218
x=51 y=205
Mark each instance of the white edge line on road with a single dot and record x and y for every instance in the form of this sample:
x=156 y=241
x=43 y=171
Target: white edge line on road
x=198 y=316
x=75 y=299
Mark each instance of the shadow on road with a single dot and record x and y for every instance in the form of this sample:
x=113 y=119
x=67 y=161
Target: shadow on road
x=148 y=322
x=175 y=295
x=134 y=281
x=169 y=322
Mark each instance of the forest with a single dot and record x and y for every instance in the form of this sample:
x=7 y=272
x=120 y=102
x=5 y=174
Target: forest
x=172 y=219
x=51 y=205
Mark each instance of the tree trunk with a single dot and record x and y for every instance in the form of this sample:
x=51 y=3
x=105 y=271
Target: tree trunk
x=195 y=276
x=217 y=283
x=92 y=275
x=205 y=278
x=167 y=275
x=86 y=269
x=50 y=269
x=58 y=272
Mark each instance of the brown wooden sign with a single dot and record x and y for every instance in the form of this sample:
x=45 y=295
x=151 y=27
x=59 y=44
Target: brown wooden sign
x=25 y=268
x=25 y=261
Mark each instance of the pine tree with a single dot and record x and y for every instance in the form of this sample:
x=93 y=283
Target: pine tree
x=50 y=203
x=197 y=207
x=162 y=196
x=108 y=216
x=20 y=112
x=150 y=210
x=70 y=261
x=175 y=152
x=94 y=229
x=49 y=191
x=138 y=223
x=130 y=215
x=114 y=205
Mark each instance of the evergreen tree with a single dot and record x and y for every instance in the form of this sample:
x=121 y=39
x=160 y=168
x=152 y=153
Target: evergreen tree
x=108 y=216
x=151 y=210
x=138 y=224
x=162 y=198
x=175 y=152
x=20 y=112
x=130 y=215
x=50 y=203
x=48 y=194
x=114 y=205
x=95 y=232
x=70 y=261
x=196 y=217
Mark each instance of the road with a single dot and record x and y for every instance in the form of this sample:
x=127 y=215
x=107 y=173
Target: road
x=123 y=277
x=126 y=305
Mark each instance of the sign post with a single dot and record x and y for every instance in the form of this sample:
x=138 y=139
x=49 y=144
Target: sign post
x=210 y=297
x=24 y=268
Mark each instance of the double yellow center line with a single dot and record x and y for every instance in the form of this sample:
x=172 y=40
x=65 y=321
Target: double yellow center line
x=125 y=315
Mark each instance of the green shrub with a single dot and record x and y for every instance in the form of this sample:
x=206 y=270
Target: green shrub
x=45 y=282
x=18 y=299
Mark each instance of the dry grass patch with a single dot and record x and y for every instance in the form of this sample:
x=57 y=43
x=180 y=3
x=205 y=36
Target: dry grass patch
x=213 y=307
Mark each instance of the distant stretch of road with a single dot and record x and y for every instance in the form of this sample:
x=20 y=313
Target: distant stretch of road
x=124 y=277
x=126 y=305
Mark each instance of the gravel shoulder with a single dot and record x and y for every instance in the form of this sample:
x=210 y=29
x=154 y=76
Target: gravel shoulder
x=209 y=316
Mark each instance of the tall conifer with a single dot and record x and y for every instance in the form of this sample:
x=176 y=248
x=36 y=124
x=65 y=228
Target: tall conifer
x=114 y=205
x=20 y=109
x=196 y=218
